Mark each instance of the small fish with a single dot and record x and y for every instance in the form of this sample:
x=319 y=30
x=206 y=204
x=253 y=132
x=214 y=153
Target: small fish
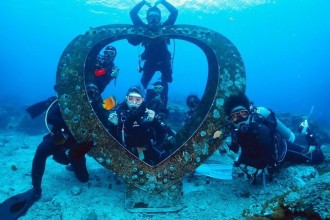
x=109 y=103
x=217 y=134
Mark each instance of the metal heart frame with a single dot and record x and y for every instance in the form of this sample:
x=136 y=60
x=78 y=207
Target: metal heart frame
x=226 y=76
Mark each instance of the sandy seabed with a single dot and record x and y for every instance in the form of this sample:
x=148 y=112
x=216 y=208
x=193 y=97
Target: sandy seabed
x=103 y=197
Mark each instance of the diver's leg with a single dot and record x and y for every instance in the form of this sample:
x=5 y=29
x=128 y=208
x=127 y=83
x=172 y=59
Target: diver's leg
x=317 y=155
x=148 y=73
x=166 y=70
x=165 y=94
x=60 y=156
x=150 y=156
x=44 y=150
x=79 y=168
x=298 y=154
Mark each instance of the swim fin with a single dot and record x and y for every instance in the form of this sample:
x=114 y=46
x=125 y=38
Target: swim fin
x=216 y=171
x=40 y=107
x=18 y=205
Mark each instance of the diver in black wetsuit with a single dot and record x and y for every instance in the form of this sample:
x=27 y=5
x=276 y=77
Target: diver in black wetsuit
x=192 y=102
x=156 y=100
x=59 y=142
x=136 y=128
x=104 y=69
x=265 y=142
x=60 y=139
x=156 y=55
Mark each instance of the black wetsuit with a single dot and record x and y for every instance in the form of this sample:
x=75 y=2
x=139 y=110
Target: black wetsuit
x=134 y=132
x=97 y=84
x=261 y=146
x=189 y=116
x=103 y=79
x=157 y=102
x=157 y=57
x=66 y=150
x=57 y=145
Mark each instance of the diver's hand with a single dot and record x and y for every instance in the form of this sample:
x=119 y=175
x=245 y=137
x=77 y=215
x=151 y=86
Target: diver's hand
x=113 y=118
x=159 y=2
x=150 y=115
x=311 y=149
x=147 y=3
x=223 y=149
x=115 y=72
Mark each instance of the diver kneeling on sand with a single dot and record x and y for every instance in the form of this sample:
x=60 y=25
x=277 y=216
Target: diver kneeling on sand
x=60 y=143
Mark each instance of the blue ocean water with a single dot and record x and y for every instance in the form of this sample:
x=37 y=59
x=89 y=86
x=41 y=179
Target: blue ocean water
x=284 y=45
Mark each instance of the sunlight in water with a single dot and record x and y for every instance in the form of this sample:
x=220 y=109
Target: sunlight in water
x=208 y=6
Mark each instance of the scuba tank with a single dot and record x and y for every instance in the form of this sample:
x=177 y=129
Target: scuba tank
x=283 y=130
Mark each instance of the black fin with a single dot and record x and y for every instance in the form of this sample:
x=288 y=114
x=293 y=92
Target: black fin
x=40 y=107
x=18 y=205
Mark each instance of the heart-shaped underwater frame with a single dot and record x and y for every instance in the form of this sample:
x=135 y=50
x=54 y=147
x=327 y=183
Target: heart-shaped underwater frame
x=149 y=188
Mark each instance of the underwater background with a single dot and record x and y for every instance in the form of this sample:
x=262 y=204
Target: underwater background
x=285 y=48
x=284 y=45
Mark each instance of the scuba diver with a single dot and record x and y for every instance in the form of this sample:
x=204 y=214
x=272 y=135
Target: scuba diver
x=59 y=142
x=103 y=71
x=265 y=142
x=192 y=102
x=157 y=100
x=156 y=55
x=134 y=126
x=104 y=67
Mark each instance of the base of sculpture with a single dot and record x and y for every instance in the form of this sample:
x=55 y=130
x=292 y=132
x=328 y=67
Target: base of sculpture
x=167 y=199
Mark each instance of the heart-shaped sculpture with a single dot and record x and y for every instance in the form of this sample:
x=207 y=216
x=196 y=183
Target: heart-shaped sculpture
x=150 y=188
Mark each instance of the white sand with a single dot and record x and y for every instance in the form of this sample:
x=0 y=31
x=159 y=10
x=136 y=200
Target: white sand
x=64 y=197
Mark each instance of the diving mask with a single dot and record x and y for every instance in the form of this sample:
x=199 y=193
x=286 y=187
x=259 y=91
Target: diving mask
x=109 y=53
x=134 y=98
x=153 y=18
x=239 y=116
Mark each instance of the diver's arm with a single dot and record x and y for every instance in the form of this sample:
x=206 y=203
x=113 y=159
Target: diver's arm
x=134 y=14
x=225 y=149
x=173 y=13
x=96 y=101
x=114 y=72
